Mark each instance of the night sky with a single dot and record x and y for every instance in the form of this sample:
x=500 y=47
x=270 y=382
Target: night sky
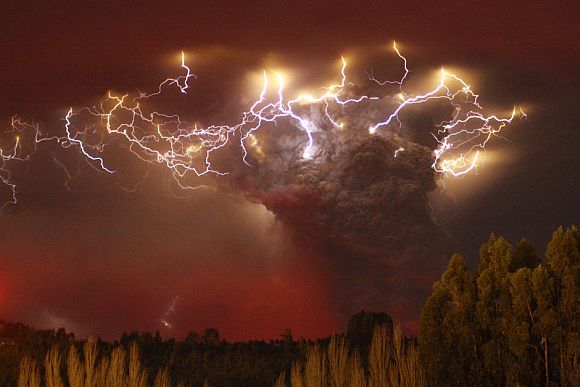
x=99 y=260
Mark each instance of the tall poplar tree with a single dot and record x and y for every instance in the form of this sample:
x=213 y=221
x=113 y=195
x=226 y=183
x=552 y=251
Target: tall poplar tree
x=525 y=365
x=447 y=331
x=563 y=266
x=493 y=306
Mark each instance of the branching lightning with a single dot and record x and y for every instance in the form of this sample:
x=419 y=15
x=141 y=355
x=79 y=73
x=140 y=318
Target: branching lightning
x=168 y=140
x=14 y=151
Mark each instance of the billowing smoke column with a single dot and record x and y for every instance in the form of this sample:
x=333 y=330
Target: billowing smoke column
x=369 y=212
x=347 y=168
x=362 y=200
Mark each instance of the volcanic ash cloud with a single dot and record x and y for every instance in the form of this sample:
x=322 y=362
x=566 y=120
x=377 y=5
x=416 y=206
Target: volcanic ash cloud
x=361 y=200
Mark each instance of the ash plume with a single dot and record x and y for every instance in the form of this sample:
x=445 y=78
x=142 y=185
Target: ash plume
x=361 y=201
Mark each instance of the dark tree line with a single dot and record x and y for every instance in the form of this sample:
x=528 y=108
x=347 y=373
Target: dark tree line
x=514 y=323
x=199 y=359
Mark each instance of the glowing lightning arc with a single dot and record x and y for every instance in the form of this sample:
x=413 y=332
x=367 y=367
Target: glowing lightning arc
x=168 y=140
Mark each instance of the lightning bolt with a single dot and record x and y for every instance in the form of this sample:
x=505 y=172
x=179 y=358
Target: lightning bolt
x=183 y=148
x=14 y=152
x=168 y=312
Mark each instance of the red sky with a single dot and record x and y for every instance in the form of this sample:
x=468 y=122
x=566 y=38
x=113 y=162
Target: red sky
x=100 y=261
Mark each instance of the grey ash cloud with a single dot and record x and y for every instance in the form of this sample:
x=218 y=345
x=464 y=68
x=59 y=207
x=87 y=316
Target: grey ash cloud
x=366 y=210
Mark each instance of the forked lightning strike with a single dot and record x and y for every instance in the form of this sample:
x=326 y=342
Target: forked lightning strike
x=166 y=139
x=14 y=152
